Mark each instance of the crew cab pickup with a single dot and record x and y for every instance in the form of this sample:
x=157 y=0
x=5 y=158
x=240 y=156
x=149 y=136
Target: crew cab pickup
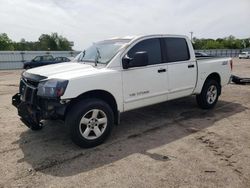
x=114 y=76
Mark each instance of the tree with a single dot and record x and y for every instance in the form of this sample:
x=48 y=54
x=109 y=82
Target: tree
x=45 y=42
x=222 y=43
x=5 y=42
x=54 y=42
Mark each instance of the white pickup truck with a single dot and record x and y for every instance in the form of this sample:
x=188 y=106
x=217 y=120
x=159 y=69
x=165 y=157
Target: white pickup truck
x=244 y=55
x=114 y=76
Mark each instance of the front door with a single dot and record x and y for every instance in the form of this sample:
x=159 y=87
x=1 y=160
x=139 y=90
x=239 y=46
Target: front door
x=145 y=85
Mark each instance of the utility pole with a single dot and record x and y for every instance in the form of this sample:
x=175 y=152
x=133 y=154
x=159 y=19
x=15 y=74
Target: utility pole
x=191 y=32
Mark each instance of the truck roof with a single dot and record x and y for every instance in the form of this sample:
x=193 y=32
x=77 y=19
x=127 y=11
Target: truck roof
x=133 y=37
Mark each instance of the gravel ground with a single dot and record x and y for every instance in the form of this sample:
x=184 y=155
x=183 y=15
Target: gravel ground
x=174 y=144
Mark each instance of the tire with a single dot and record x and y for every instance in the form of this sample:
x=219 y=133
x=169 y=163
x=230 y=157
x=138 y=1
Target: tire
x=27 y=67
x=37 y=127
x=90 y=122
x=209 y=95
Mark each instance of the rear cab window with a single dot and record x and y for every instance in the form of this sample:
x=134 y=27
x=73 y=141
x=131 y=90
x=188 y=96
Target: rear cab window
x=176 y=49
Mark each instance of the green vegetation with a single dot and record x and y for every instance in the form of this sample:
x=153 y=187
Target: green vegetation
x=53 y=42
x=221 y=43
x=57 y=42
x=5 y=42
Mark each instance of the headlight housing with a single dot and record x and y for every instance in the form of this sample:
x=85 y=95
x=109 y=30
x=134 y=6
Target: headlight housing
x=52 y=88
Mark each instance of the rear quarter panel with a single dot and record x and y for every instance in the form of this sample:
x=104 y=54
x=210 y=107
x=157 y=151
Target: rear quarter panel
x=206 y=67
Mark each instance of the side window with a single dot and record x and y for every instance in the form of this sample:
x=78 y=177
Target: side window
x=59 y=59
x=176 y=49
x=151 y=46
x=38 y=58
x=47 y=58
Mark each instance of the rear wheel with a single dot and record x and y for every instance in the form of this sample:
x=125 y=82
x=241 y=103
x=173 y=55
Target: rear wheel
x=90 y=122
x=209 y=95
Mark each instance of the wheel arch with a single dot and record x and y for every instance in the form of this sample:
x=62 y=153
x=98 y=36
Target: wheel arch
x=99 y=94
x=214 y=76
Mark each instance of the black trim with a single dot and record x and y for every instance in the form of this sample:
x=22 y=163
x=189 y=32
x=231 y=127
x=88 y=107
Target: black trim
x=161 y=70
x=163 y=49
x=191 y=66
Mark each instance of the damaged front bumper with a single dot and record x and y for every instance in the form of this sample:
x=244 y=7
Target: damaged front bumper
x=33 y=108
x=29 y=115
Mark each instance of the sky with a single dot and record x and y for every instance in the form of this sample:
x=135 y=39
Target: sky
x=87 y=21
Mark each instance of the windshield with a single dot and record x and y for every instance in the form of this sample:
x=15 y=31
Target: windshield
x=101 y=52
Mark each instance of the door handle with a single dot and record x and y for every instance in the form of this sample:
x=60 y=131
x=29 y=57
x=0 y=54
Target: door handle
x=161 y=70
x=191 y=66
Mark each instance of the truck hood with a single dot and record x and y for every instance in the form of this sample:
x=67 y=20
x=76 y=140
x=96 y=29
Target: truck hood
x=66 y=70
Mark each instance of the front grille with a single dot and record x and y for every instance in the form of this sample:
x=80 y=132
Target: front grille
x=28 y=87
x=28 y=91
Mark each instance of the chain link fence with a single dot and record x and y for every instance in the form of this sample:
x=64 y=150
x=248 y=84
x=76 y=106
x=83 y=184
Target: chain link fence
x=222 y=52
x=15 y=59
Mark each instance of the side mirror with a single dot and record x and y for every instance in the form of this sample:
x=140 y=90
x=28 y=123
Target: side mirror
x=140 y=59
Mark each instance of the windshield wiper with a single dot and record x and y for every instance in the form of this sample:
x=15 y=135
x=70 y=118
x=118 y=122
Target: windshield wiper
x=82 y=56
x=98 y=56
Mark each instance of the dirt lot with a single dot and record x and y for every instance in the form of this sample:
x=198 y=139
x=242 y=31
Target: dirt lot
x=174 y=144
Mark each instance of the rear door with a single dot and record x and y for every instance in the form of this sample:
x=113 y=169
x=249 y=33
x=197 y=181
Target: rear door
x=182 y=72
x=148 y=84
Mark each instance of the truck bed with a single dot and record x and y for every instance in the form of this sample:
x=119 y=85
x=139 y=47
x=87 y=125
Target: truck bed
x=208 y=65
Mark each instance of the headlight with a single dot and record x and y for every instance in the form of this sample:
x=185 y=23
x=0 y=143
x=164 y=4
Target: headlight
x=52 y=88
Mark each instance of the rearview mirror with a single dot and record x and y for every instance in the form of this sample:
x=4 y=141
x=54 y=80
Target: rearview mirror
x=140 y=59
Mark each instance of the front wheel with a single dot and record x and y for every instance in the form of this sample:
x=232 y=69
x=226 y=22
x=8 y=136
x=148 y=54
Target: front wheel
x=209 y=95
x=90 y=122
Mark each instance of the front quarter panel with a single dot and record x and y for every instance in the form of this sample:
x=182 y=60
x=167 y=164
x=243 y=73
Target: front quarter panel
x=106 y=79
